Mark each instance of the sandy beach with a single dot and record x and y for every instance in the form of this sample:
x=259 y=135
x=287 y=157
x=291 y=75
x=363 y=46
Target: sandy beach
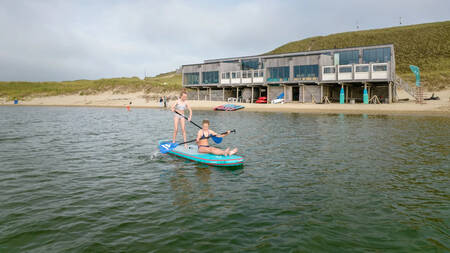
x=142 y=100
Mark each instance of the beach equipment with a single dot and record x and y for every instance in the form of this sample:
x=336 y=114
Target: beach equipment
x=365 y=96
x=261 y=100
x=279 y=99
x=191 y=153
x=167 y=146
x=215 y=138
x=228 y=107
x=342 y=96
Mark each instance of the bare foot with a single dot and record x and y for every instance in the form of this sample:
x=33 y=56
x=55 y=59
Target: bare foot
x=226 y=152
x=234 y=151
x=186 y=146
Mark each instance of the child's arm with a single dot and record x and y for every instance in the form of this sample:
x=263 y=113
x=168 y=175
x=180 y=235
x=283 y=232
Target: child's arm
x=199 y=135
x=220 y=135
x=172 y=108
x=190 y=111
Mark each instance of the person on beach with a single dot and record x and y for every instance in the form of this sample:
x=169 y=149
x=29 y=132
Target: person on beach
x=165 y=101
x=203 y=145
x=179 y=107
x=160 y=101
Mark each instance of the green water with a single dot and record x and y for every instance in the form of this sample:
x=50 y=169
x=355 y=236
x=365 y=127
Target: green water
x=91 y=180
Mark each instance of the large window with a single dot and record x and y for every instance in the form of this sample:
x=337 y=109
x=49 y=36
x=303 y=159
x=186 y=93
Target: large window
x=377 y=55
x=250 y=64
x=191 y=78
x=278 y=73
x=349 y=57
x=306 y=71
x=210 y=77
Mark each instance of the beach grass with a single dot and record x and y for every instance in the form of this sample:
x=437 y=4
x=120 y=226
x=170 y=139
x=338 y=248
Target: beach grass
x=423 y=45
x=166 y=82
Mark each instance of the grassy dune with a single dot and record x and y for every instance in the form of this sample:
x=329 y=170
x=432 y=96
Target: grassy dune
x=424 y=45
x=160 y=83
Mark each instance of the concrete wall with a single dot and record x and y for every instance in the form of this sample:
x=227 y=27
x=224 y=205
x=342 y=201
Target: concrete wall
x=274 y=92
x=310 y=91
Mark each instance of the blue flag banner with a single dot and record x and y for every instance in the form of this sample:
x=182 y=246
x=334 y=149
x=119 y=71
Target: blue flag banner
x=416 y=72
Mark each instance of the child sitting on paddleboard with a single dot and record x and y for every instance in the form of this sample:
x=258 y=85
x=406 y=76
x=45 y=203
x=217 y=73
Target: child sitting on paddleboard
x=180 y=106
x=203 y=145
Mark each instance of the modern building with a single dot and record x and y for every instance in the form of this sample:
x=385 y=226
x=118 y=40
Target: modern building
x=313 y=76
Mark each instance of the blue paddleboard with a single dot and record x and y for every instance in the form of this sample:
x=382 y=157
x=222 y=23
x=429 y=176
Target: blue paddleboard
x=192 y=154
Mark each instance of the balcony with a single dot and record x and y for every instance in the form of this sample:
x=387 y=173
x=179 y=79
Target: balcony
x=374 y=71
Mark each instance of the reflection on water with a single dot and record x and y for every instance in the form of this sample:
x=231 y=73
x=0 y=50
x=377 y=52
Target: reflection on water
x=92 y=179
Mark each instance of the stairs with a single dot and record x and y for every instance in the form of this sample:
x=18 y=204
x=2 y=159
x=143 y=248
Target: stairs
x=405 y=86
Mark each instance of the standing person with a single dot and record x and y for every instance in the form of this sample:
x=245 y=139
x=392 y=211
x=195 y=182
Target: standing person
x=165 y=102
x=160 y=101
x=180 y=106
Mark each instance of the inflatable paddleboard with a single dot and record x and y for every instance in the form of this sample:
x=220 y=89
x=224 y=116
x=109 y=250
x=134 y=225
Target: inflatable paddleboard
x=192 y=154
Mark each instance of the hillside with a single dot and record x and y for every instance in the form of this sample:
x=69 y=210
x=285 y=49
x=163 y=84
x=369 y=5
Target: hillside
x=161 y=83
x=424 y=45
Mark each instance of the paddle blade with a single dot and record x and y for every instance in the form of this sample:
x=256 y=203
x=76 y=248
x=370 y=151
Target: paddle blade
x=216 y=139
x=167 y=147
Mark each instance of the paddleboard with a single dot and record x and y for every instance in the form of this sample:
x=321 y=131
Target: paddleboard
x=192 y=154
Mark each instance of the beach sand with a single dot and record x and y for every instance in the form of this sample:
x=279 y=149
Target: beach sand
x=142 y=100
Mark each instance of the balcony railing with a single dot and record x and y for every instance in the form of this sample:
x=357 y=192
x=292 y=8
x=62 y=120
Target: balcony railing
x=374 y=71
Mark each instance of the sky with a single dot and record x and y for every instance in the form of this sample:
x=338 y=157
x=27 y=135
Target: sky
x=71 y=40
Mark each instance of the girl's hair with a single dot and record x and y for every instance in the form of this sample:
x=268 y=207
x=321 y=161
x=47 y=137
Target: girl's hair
x=182 y=93
x=205 y=121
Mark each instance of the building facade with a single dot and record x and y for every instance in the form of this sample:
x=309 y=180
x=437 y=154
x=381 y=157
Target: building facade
x=313 y=76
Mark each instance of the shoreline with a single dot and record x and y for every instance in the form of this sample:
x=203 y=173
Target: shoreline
x=140 y=100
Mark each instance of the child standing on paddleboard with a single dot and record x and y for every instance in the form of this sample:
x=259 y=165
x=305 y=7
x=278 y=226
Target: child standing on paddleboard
x=203 y=145
x=178 y=115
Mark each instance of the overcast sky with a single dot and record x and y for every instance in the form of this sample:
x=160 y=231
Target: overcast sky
x=69 y=40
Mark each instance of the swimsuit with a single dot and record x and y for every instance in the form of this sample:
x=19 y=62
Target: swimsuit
x=204 y=137
x=180 y=108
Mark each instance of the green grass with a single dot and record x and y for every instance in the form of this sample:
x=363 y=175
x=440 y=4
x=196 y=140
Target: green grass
x=161 y=83
x=424 y=45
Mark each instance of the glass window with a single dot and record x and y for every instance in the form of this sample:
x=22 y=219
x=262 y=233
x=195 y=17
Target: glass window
x=278 y=73
x=210 y=77
x=192 y=78
x=261 y=73
x=223 y=75
x=345 y=69
x=379 y=68
x=349 y=57
x=249 y=74
x=244 y=74
x=250 y=64
x=255 y=74
x=374 y=55
x=228 y=75
x=329 y=70
x=233 y=75
x=362 y=69
x=306 y=71
x=238 y=75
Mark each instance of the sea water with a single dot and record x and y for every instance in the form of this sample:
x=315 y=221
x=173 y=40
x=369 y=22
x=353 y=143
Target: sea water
x=92 y=180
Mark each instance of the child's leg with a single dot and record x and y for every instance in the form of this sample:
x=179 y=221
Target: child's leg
x=234 y=151
x=183 y=129
x=175 y=129
x=217 y=151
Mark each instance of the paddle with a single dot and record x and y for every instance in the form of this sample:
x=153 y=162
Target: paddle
x=169 y=146
x=215 y=138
